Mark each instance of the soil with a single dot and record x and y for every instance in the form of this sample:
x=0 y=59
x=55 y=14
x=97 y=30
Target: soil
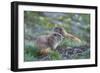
x=68 y=53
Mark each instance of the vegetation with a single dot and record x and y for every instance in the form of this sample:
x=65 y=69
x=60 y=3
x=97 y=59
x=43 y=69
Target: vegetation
x=39 y=23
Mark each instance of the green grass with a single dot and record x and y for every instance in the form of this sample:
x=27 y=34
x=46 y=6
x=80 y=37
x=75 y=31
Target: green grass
x=31 y=52
x=54 y=55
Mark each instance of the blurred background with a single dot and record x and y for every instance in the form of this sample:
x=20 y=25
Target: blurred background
x=40 y=23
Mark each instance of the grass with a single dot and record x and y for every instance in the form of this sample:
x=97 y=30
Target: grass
x=55 y=55
x=31 y=54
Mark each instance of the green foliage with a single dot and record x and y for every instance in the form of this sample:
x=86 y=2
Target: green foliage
x=41 y=23
x=31 y=53
x=54 y=55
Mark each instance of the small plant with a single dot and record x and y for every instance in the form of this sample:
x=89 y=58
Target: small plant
x=55 y=55
x=30 y=53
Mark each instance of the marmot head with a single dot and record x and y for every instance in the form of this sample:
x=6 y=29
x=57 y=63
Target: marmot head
x=57 y=37
x=59 y=30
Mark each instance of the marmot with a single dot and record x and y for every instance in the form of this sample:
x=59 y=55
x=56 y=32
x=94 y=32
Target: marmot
x=47 y=42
